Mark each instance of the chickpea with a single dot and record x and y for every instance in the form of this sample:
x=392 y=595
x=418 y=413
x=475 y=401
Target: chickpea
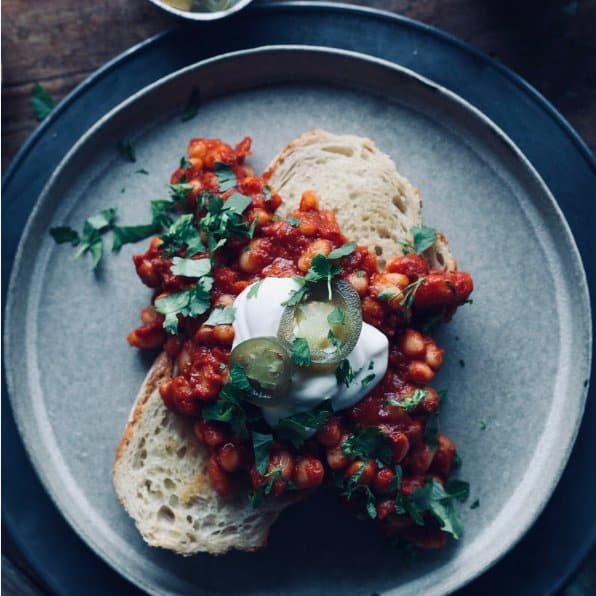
x=330 y=434
x=412 y=343
x=220 y=479
x=359 y=283
x=309 y=201
x=309 y=472
x=434 y=356
x=419 y=372
x=197 y=148
x=224 y=334
x=336 y=460
x=225 y=300
x=382 y=481
x=262 y=217
x=383 y=281
x=204 y=335
x=229 y=457
x=184 y=360
x=196 y=163
x=250 y=261
x=317 y=247
x=366 y=477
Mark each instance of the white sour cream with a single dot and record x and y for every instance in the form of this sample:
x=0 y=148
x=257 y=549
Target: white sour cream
x=260 y=315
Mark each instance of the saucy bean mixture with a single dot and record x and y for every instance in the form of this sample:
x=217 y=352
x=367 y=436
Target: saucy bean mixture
x=383 y=455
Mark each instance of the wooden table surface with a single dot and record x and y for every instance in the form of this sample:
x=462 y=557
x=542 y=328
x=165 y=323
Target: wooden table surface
x=551 y=43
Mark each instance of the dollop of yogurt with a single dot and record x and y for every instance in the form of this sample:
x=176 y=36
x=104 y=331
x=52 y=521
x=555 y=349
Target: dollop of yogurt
x=258 y=313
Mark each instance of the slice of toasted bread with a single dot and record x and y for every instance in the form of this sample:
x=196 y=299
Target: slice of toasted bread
x=160 y=472
x=374 y=204
x=160 y=475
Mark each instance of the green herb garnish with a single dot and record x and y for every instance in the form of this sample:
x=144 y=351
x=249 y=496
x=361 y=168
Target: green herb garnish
x=254 y=289
x=409 y=402
x=261 y=445
x=296 y=428
x=64 y=234
x=344 y=373
x=127 y=149
x=192 y=106
x=190 y=267
x=300 y=352
x=221 y=316
x=336 y=317
x=42 y=102
x=225 y=176
x=423 y=237
x=368 y=443
x=294 y=221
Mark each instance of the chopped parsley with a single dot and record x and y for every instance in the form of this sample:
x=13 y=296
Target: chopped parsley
x=64 y=234
x=439 y=501
x=142 y=171
x=322 y=269
x=221 y=316
x=129 y=234
x=368 y=443
x=423 y=237
x=190 y=267
x=256 y=497
x=297 y=428
x=179 y=193
x=261 y=445
x=300 y=352
x=410 y=293
x=294 y=221
x=483 y=424
x=42 y=102
x=368 y=380
x=336 y=317
x=189 y=303
x=344 y=373
x=192 y=106
x=267 y=194
x=181 y=233
x=184 y=163
x=225 y=176
x=127 y=149
x=254 y=289
x=90 y=241
x=409 y=402
x=475 y=504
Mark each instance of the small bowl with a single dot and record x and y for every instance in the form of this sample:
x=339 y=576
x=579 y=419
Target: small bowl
x=235 y=6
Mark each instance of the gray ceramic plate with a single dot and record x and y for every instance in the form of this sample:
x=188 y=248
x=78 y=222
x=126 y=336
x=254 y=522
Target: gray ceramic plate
x=525 y=341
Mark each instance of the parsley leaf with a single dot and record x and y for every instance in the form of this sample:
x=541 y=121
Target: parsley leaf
x=128 y=234
x=63 y=234
x=424 y=237
x=237 y=203
x=409 y=402
x=225 y=176
x=410 y=293
x=368 y=443
x=300 y=352
x=190 y=267
x=344 y=373
x=42 y=102
x=188 y=303
x=192 y=106
x=475 y=504
x=179 y=193
x=297 y=428
x=254 y=289
x=256 y=497
x=142 y=171
x=342 y=251
x=267 y=194
x=294 y=221
x=184 y=163
x=221 y=316
x=336 y=317
x=93 y=229
x=368 y=380
x=127 y=149
x=322 y=269
x=183 y=232
x=261 y=445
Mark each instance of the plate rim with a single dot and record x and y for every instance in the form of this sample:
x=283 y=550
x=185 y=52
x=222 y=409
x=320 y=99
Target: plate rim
x=452 y=97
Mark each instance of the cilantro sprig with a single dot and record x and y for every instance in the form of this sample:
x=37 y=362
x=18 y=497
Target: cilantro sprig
x=298 y=427
x=437 y=500
x=323 y=269
x=409 y=402
x=368 y=443
x=423 y=237
x=90 y=241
